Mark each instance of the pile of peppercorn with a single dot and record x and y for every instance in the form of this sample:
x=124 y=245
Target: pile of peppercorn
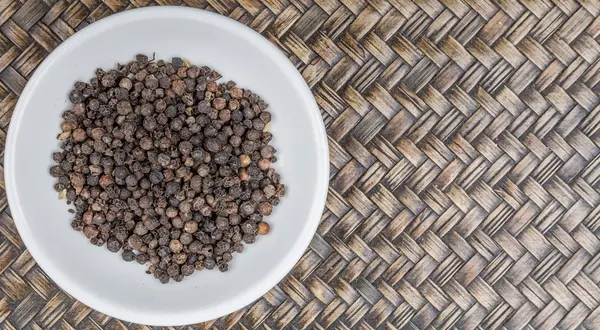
x=167 y=166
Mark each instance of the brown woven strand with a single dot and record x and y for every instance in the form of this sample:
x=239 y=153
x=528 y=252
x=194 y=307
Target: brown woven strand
x=465 y=163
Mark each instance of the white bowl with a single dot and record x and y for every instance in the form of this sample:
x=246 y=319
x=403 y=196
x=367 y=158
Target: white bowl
x=99 y=278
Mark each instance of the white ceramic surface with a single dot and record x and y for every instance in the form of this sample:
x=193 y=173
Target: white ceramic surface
x=100 y=279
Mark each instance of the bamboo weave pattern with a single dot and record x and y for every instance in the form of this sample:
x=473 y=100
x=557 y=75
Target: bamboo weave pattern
x=465 y=153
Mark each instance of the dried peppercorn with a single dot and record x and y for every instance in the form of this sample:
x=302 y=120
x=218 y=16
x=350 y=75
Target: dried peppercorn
x=263 y=228
x=167 y=166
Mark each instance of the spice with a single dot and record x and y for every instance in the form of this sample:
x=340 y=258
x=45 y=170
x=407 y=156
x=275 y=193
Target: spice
x=263 y=228
x=167 y=166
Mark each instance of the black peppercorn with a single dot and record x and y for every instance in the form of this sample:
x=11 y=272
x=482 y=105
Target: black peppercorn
x=161 y=159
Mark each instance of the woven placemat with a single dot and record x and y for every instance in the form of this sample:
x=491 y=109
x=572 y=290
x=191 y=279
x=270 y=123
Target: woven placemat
x=464 y=163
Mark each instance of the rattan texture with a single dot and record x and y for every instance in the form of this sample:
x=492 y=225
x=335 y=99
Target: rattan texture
x=465 y=163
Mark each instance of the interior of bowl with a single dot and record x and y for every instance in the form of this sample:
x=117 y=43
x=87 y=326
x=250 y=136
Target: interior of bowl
x=101 y=279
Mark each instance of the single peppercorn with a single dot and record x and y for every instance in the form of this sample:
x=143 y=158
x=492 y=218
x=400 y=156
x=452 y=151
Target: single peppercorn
x=263 y=228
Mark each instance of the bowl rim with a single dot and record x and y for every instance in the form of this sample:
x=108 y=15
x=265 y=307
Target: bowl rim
x=246 y=297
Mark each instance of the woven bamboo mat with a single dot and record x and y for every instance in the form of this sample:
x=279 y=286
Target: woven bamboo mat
x=465 y=153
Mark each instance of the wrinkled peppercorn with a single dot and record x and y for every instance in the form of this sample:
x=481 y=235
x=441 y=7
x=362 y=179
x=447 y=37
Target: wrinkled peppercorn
x=167 y=166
